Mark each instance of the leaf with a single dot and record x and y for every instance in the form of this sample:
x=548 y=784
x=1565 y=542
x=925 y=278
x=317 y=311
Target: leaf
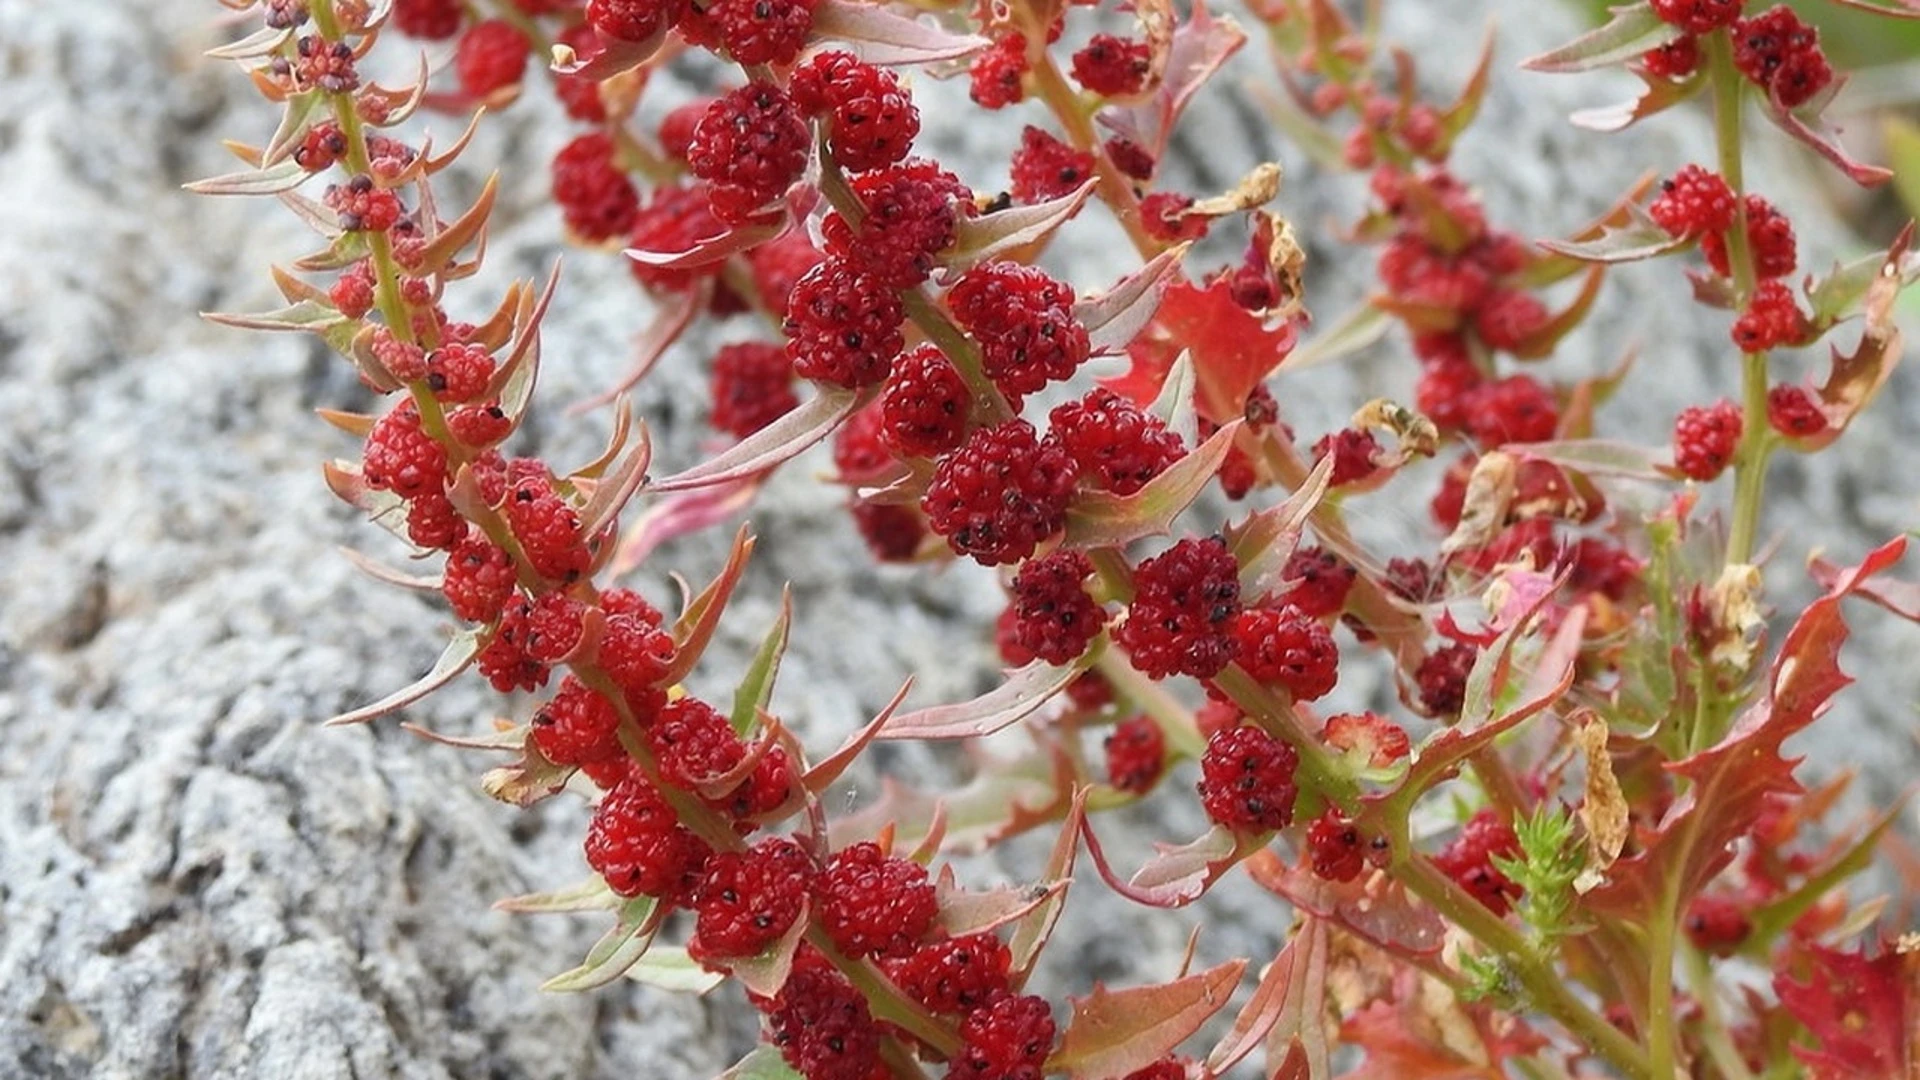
x=1603 y=812
x=1596 y=457
x=1905 y=9
x=1114 y=1032
x=766 y=973
x=1628 y=33
x=755 y=691
x=1201 y=45
x=1031 y=932
x=381 y=572
x=1176 y=875
x=1099 y=519
x=285 y=176
x=1731 y=781
x=1823 y=137
x=1541 y=343
x=1862 y=1011
x=1373 y=906
x=963 y=912
x=1352 y=332
x=712 y=250
x=1639 y=239
x=1264 y=542
x=764 y=1063
x=612 y=493
x=668 y=967
x=819 y=776
x=989 y=236
x=652 y=344
x=1233 y=350
x=695 y=626
x=612 y=58
x=680 y=514
x=454 y=237
x=1661 y=94
x=1292 y=987
x=527 y=779
x=589 y=895
x=305 y=315
x=618 y=950
x=1115 y=317
x=1854 y=380
x=774 y=444
x=1019 y=696
x=454 y=659
x=879 y=36
x=261 y=42
x=1900 y=597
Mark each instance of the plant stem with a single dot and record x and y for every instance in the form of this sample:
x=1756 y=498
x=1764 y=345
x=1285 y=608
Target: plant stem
x=1713 y=1027
x=1110 y=185
x=1660 y=931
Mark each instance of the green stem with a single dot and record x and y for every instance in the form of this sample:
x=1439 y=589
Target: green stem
x=1661 y=1052
x=1175 y=720
x=1714 y=1034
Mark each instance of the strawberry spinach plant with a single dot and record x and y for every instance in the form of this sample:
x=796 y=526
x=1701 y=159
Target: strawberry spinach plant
x=1573 y=847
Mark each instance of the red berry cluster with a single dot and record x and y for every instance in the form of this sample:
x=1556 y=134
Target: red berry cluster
x=1246 y=780
x=1024 y=321
x=1184 y=605
x=1469 y=861
x=1054 y=618
x=1001 y=493
x=1782 y=55
x=1705 y=438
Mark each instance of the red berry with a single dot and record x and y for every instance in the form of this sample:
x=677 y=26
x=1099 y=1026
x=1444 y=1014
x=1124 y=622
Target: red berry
x=822 y=1024
x=1164 y=214
x=1769 y=238
x=595 y=196
x=924 y=407
x=996 y=73
x=693 y=743
x=353 y=291
x=752 y=31
x=1318 y=581
x=1781 y=54
x=1246 y=780
x=401 y=457
x=956 y=975
x=479 y=425
x=893 y=533
x=1000 y=494
x=1677 y=59
x=1353 y=451
x=458 y=373
x=911 y=213
x=674 y=218
x=1286 y=648
x=478 y=580
x=1055 y=619
x=752 y=387
x=1379 y=740
x=872 y=121
x=1772 y=319
x=1136 y=755
x=1335 y=848
x=1446 y=391
x=750 y=147
x=492 y=55
x=1135 y=163
x=1516 y=409
x=843 y=327
x=1469 y=861
x=430 y=20
x=548 y=529
x=1009 y=1039
x=637 y=844
x=1112 y=66
x=323 y=145
x=633 y=20
x=1090 y=691
x=555 y=624
x=634 y=651
x=1717 y=925
x=1699 y=16
x=859 y=451
x=1791 y=411
x=433 y=523
x=1113 y=442
x=578 y=726
x=874 y=904
x=1024 y=321
x=1442 y=678
x=1184 y=603
x=1705 y=438
x=749 y=899
x=361 y=207
x=778 y=266
x=1509 y=318
x=1046 y=168
x=1693 y=202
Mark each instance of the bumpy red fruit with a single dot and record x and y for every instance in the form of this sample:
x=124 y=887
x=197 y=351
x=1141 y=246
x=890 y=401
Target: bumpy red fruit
x=1055 y=619
x=871 y=118
x=1469 y=861
x=1378 y=741
x=431 y=20
x=1319 y=581
x=1770 y=239
x=578 y=726
x=1772 y=319
x=1441 y=678
x=1792 y=412
x=749 y=899
x=595 y=196
x=1115 y=444
x=843 y=326
x=1677 y=59
x=1024 y=321
x=1516 y=409
x=1717 y=925
x=554 y=626
x=433 y=523
x=492 y=55
x=779 y=264
x=1046 y=168
x=924 y=407
x=1704 y=439
x=633 y=20
x=693 y=743
x=674 y=218
x=401 y=457
x=1112 y=66
x=1000 y=494
x=1353 y=451
x=874 y=904
x=956 y=975
x=458 y=373
x=1693 y=202
x=1008 y=1040
x=640 y=848
x=504 y=662
x=996 y=73
x=1184 y=603
x=822 y=1024
x=752 y=387
x=548 y=529
x=911 y=213
x=1246 y=780
x=1781 y=54
x=1508 y=319
x=753 y=31
x=1699 y=16
x=893 y=533
x=1335 y=849
x=1136 y=755
x=478 y=579
x=634 y=651
x=1288 y=649
x=859 y=451
x=750 y=147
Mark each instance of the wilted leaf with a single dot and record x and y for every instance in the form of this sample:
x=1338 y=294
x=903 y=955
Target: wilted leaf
x=618 y=950
x=454 y=659
x=1604 y=810
x=1854 y=380
x=1629 y=32
x=774 y=444
x=527 y=779
x=1114 y=1032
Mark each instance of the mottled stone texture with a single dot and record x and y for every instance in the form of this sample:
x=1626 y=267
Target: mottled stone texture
x=197 y=880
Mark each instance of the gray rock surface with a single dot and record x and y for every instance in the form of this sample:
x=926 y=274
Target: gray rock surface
x=198 y=881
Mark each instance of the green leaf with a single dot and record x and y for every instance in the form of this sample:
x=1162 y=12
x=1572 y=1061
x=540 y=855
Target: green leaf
x=1023 y=692
x=1641 y=239
x=285 y=176
x=668 y=967
x=989 y=236
x=454 y=659
x=620 y=948
x=756 y=688
x=1352 y=332
x=589 y=895
x=1115 y=1032
x=764 y=1063
x=305 y=315
x=1631 y=31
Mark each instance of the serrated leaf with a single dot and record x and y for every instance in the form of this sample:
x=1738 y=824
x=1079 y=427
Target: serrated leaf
x=1020 y=695
x=1629 y=32
x=1855 y=379
x=1115 y=317
x=1374 y=906
x=879 y=36
x=668 y=967
x=695 y=626
x=1115 y=1032
x=614 y=953
x=755 y=691
x=774 y=444
x=1233 y=350
x=589 y=895
x=454 y=659
x=990 y=236
x=1100 y=519
x=285 y=176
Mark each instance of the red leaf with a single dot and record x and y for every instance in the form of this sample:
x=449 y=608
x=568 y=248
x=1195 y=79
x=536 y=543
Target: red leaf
x=1114 y=1032
x=1731 y=781
x=1176 y=875
x=1233 y=350
x=1374 y=906
x=1290 y=1002
x=1632 y=31
x=1861 y=1012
